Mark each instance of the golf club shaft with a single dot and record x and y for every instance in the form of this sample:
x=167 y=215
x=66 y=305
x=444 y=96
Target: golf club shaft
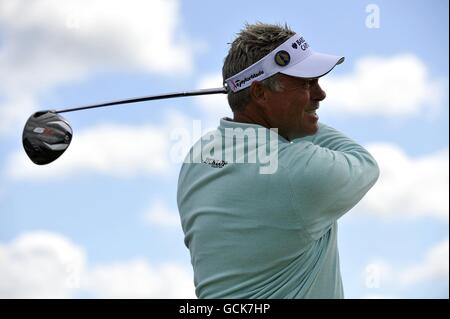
x=147 y=98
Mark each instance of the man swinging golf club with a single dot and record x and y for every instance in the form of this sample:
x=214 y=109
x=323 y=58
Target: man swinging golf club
x=253 y=231
x=273 y=234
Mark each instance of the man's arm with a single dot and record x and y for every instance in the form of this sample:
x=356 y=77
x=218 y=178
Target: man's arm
x=329 y=174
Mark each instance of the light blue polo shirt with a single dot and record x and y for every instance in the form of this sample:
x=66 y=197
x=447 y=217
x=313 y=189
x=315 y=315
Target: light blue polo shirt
x=274 y=234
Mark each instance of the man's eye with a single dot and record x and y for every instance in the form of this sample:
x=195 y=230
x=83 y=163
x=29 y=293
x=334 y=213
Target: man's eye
x=308 y=83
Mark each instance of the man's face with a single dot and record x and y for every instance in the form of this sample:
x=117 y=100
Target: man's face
x=292 y=109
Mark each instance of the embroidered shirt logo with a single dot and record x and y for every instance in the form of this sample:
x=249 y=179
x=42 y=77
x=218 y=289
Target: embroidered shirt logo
x=214 y=163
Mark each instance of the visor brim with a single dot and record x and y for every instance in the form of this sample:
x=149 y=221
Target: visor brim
x=314 y=66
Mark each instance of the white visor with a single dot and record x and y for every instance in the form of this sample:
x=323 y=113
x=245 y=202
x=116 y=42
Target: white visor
x=293 y=57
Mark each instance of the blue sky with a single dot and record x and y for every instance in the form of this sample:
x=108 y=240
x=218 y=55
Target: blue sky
x=105 y=221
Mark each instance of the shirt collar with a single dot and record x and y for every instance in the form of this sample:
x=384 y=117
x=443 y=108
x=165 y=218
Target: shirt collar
x=226 y=122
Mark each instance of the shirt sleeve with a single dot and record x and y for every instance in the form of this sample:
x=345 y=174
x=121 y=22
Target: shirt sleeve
x=329 y=174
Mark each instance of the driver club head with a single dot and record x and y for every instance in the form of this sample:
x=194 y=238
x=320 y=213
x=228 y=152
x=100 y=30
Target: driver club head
x=46 y=136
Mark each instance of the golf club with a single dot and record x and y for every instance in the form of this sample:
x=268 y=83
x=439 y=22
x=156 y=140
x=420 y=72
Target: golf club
x=47 y=134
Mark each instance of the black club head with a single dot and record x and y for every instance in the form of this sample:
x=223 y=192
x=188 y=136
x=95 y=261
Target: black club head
x=46 y=136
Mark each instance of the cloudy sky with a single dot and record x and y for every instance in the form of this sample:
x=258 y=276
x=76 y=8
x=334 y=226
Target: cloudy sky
x=102 y=220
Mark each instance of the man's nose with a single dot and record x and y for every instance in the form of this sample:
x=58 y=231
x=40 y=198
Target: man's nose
x=318 y=93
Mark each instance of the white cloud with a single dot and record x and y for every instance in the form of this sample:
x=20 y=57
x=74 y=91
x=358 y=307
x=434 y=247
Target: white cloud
x=380 y=278
x=109 y=149
x=160 y=215
x=14 y=111
x=40 y=265
x=116 y=150
x=394 y=86
x=435 y=266
x=49 y=42
x=408 y=187
x=48 y=265
x=139 y=279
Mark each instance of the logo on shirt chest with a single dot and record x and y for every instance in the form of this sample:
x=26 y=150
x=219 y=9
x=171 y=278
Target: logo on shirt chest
x=215 y=163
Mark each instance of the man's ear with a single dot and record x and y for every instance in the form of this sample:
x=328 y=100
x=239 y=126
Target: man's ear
x=258 y=92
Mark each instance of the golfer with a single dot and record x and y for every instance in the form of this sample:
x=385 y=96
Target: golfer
x=259 y=228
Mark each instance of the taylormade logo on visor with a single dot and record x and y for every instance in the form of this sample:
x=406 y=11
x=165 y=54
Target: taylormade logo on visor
x=239 y=83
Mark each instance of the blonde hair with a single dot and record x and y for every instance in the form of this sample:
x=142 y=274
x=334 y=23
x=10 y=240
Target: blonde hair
x=252 y=43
